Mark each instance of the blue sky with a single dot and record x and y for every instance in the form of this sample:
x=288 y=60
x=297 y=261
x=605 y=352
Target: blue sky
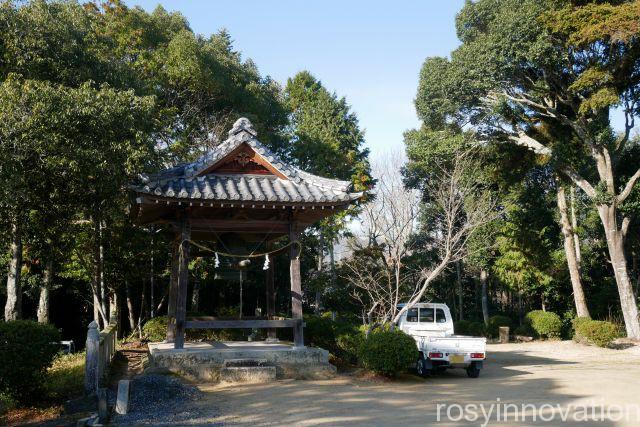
x=368 y=51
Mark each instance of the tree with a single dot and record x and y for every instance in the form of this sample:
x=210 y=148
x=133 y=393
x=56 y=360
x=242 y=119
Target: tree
x=387 y=225
x=84 y=141
x=550 y=91
x=115 y=63
x=455 y=208
x=326 y=140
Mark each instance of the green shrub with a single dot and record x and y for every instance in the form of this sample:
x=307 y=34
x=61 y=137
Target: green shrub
x=467 y=327
x=6 y=403
x=388 y=352
x=545 y=324
x=27 y=349
x=155 y=329
x=597 y=332
x=495 y=322
x=567 y=324
x=319 y=332
x=524 y=330
x=578 y=322
x=65 y=377
x=349 y=345
x=338 y=337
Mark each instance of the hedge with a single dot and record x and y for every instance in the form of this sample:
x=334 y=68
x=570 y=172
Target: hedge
x=597 y=332
x=27 y=349
x=544 y=324
x=388 y=352
x=336 y=336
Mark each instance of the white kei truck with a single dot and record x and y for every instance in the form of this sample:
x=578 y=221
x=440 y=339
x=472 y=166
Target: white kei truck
x=431 y=326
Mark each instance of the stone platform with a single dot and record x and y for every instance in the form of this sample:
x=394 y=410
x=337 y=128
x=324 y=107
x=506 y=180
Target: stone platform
x=203 y=361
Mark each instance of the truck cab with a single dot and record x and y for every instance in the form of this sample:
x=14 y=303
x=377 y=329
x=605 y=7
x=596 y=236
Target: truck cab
x=431 y=326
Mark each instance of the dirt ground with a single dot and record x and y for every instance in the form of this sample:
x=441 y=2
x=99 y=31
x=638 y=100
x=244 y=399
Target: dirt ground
x=587 y=382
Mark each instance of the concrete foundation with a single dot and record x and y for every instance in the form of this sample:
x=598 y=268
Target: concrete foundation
x=204 y=361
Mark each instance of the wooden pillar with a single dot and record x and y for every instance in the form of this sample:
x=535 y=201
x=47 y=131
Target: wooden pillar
x=183 y=280
x=173 y=291
x=296 y=285
x=271 y=296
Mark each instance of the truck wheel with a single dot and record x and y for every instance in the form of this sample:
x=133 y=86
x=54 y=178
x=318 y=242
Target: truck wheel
x=421 y=367
x=473 y=371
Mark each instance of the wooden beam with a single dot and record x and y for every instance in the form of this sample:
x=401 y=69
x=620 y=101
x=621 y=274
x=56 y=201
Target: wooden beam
x=296 y=283
x=242 y=324
x=173 y=291
x=183 y=280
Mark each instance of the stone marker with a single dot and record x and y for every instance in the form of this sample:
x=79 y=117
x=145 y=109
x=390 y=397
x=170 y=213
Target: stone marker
x=103 y=410
x=503 y=332
x=122 y=400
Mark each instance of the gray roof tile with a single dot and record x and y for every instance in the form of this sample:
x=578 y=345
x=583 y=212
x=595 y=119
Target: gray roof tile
x=188 y=181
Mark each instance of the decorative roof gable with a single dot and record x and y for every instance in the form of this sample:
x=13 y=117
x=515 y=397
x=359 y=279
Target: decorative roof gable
x=242 y=168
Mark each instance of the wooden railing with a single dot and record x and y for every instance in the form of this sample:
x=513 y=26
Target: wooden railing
x=101 y=347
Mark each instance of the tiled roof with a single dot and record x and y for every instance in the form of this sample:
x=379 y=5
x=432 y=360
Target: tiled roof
x=188 y=181
x=245 y=188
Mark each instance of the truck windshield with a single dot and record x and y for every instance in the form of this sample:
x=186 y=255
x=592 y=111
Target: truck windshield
x=440 y=318
x=412 y=315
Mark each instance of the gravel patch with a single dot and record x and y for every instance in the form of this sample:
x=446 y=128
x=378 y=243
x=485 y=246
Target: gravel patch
x=164 y=400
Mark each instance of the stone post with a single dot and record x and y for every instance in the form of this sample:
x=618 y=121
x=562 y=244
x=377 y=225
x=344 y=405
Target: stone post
x=503 y=332
x=92 y=359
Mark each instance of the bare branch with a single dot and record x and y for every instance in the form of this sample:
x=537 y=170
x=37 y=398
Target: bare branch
x=524 y=140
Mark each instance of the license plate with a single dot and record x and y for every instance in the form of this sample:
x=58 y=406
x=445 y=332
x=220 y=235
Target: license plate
x=456 y=358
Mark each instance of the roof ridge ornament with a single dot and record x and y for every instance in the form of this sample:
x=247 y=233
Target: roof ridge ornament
x=242 y=124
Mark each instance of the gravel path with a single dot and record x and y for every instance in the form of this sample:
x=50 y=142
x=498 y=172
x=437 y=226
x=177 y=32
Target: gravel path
x=165 y=400
x=564 y=374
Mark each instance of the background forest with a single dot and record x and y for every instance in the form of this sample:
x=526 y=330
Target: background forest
x=523 y=118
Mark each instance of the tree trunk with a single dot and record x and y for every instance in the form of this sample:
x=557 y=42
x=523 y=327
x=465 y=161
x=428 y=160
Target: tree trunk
x=132 y=319
x=96 y=308
x=485 y=297
x=574 y=225
x=103 y=288
x=615 y=244
x=99 y=307
x=114 y=312
x=43 y=303
x=13 y=306
x=460 y=296
x=520 y=308
x=636 y=273
x=570 y=251
x=152 y=279
x=143 y=310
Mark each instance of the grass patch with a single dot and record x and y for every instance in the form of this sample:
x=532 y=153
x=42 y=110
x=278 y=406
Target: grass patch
x=65 y=378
